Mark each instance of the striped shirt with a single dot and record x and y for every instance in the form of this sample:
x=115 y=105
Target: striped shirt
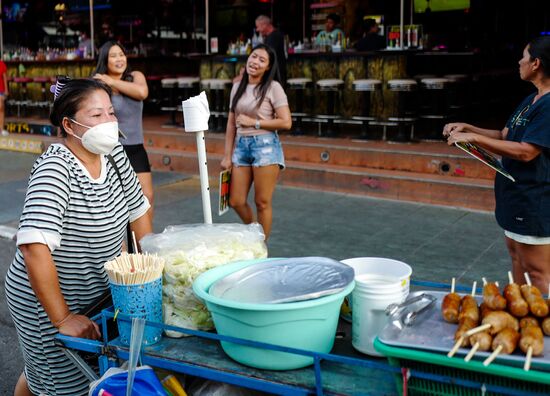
x=82 y=220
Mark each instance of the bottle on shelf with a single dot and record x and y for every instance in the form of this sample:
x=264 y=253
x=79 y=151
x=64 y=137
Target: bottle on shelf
x=256 y=38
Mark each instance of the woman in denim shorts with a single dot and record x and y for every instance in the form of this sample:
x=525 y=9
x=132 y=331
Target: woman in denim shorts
x=258 y=109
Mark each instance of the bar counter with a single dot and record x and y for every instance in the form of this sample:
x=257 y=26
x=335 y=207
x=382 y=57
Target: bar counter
x=76 y=68
x=348 y=66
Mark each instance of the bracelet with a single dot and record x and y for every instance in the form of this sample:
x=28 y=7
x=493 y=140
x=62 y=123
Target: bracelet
x=58 y=324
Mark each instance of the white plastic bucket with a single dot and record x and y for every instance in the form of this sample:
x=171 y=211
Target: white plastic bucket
x=371 y=295
x=376 y=266
x=381 y=266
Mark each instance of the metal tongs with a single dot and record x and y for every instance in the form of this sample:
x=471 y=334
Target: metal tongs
x=397 y=312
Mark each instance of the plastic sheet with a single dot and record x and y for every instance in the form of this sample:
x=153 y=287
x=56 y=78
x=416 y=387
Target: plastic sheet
x=284 y=281
x=190 y=250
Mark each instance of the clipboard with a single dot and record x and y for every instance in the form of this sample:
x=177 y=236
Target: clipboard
x=484 y=156
x=225 y=183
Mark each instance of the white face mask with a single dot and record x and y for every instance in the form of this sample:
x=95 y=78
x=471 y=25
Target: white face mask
x=100 y=139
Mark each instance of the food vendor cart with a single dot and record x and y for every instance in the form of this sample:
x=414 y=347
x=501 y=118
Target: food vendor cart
x=408 y=369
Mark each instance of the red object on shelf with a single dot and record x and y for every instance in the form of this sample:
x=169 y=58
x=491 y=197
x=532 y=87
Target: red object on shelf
x=323 y=5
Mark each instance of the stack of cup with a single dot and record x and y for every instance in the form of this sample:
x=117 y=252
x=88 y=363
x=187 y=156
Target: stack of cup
x=379 y=282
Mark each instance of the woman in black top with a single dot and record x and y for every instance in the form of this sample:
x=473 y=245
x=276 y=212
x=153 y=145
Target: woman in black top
x=523 y=206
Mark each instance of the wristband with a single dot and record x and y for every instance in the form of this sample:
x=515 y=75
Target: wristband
x=59 y=323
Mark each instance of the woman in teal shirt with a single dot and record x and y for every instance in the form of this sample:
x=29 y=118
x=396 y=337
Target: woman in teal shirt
x=331 y=34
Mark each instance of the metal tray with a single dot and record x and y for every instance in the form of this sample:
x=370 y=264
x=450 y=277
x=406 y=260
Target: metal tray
x=434 y=334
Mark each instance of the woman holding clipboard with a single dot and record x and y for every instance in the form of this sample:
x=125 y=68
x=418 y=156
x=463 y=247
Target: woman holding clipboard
x=523 y=205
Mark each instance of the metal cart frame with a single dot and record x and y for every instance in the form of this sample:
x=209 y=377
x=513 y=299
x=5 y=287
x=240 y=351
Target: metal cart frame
x=339 y=373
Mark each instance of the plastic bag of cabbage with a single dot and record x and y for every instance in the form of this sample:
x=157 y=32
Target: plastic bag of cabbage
x=190 y=250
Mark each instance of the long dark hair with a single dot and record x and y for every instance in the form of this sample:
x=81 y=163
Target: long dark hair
x=73 y=93
x=272 y=73
x=539 y=48
x=103 y=59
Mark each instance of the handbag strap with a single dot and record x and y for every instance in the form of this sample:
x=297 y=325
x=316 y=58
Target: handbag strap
x=130 y=245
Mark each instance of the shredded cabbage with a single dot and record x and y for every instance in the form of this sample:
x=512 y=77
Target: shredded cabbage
x=189 y=251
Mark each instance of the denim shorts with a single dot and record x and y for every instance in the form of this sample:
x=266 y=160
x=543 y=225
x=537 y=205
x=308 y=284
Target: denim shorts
x=258 y=150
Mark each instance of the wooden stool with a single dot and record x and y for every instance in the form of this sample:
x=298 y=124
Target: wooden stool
x=434 y=115
x=333 y=88
x=44 y=104
x=23 y=102
x=406 y=111
x=217 y=90
x=366 y=87
x=153 y=101
x=459 y=92
x=299 y=86
x=169 y=103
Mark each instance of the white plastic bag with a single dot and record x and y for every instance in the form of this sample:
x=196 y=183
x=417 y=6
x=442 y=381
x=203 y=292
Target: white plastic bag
x=190 y=250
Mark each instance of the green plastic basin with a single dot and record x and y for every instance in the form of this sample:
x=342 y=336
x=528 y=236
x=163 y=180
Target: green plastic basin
x=309 y=325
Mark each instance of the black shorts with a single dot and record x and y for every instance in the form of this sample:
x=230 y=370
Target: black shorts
x=138 y=158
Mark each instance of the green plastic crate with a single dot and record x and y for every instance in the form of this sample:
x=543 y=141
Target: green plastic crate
x=513 y=378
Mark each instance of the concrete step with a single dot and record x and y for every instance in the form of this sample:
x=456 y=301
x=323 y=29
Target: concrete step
x=420 y=172
x=429 y=158
x=436 y=189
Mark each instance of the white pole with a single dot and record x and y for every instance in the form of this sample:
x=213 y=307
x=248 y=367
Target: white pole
x=92 y=33
x=203 y=172
x=206 y=26
x=401 y=23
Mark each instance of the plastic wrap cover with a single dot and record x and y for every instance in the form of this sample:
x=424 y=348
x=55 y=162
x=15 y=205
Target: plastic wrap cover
x=284 y=280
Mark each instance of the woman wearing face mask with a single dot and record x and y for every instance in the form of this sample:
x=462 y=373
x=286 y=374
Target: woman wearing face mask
x=129 y=91
x=258 y=109
x=73 y=221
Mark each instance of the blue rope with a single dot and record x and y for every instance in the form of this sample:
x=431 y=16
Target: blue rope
x=443 y=286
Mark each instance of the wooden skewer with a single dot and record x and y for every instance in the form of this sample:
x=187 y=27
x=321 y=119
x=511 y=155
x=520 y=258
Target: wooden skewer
x=455 y=347
x=492 y=356
x=474 y=288
x=527 y=364
x=472 y=352
x=527 y=278
x=134 y=268
x=476 y=330
x=510 y=277
x=134 y=241
x=453 y=285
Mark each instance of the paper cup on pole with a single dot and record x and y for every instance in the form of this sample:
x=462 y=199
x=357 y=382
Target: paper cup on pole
x=196 y=113
x=195 y=117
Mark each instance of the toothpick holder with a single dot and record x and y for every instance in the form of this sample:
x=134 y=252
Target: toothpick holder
x=140 y=300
